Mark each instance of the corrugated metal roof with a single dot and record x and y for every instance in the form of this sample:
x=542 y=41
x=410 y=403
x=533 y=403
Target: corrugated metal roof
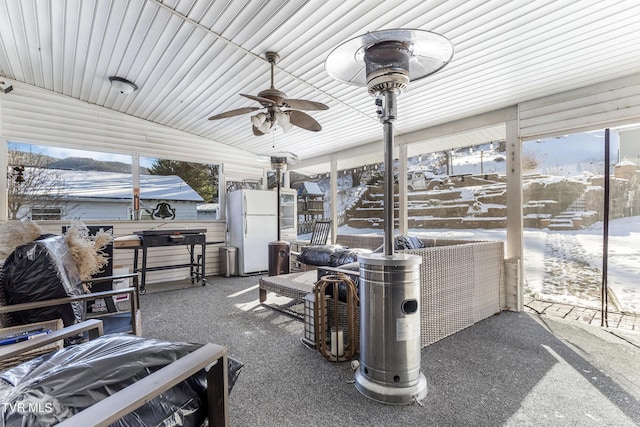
x=192 y=58
x=110 y=185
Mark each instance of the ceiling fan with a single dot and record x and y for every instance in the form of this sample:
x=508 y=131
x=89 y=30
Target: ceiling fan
x=278 y=109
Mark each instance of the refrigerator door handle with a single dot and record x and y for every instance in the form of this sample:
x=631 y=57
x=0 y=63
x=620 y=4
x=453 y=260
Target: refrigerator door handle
x=246 y=225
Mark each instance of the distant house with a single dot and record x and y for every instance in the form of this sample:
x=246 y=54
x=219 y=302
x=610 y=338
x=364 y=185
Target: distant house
x=90 y=195
x=310 y=205
x=208 y=211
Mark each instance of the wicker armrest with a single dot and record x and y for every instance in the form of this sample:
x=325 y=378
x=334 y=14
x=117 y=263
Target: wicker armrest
x=94 y=327
x=114 y=407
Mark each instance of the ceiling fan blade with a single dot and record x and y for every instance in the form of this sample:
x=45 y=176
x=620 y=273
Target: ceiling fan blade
x=233 y=113
x=303 y=104
x=304 y=121
x=261 y=100
x=257 y=131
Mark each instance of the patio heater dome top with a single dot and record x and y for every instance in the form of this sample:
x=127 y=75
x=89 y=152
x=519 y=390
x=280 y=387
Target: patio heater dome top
x=389 y=59
x=279 y=160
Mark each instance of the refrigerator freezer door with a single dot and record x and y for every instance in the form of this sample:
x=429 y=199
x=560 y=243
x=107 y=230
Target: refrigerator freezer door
x=259 y=202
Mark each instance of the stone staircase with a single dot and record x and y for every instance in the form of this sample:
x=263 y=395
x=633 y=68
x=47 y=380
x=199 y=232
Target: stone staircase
x=554 y=205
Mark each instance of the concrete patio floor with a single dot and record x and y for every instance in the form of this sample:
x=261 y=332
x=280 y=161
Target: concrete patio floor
x=513 y=369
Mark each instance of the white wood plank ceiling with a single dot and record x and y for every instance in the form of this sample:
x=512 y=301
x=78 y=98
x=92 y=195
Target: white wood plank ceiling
x=192 y=58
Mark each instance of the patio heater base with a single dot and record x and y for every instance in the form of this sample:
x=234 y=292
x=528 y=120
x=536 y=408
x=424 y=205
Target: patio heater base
x=391 y=395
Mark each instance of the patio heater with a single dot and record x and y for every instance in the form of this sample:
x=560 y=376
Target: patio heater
x=389 y=370
x=279 y=250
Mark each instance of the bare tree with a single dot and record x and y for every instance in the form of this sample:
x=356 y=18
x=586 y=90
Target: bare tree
x=357 y=175
x=31 y=184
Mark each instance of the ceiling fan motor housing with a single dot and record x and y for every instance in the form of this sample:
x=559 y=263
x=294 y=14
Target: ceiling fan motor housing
x=274 y=95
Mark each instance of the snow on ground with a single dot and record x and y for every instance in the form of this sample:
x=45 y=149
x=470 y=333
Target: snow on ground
x=623 y=260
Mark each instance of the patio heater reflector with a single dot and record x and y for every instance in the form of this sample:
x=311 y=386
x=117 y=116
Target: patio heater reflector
x=386 y=61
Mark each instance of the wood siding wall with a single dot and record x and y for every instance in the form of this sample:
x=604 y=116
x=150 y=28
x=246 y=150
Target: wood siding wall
x=160 y=256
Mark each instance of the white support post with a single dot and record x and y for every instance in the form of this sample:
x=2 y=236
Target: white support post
x=334 y=199
x=222 y=193
x=4 y=167
x=135 y=178
x=514 y=250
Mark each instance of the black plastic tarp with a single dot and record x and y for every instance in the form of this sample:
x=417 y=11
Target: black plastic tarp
x=40 y=270
x=51 y=388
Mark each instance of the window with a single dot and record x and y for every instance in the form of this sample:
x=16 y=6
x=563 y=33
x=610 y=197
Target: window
x=145 y=214
x=63 y=184
x=44 y=214
x=188 y=187
x=564 y=183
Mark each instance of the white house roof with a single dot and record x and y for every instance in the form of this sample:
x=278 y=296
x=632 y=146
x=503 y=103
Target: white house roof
x=208 y=207
x=309 y=187
x=110 y=185
x=191 y=59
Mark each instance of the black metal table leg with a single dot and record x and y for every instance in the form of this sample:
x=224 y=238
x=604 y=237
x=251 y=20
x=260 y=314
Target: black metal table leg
x=143 y=280
x=191 y=259
x=141 y=288
x=204 y=246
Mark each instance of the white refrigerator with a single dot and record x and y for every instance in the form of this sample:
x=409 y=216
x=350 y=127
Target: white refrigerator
x=252 y=217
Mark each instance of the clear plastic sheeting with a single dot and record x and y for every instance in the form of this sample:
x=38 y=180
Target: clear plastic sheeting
x=52 y=388
x=40 y=270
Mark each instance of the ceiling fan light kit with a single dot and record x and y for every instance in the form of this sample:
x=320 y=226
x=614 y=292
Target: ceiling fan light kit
x=281 y=112
x=386 y=61
x=258 y=119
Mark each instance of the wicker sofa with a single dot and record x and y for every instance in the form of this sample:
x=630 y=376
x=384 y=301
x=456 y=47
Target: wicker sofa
x=461 y=281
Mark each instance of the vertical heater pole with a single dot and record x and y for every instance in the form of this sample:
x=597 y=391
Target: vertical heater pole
x=388 y=116
x=278 y=178
x=604 y=318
